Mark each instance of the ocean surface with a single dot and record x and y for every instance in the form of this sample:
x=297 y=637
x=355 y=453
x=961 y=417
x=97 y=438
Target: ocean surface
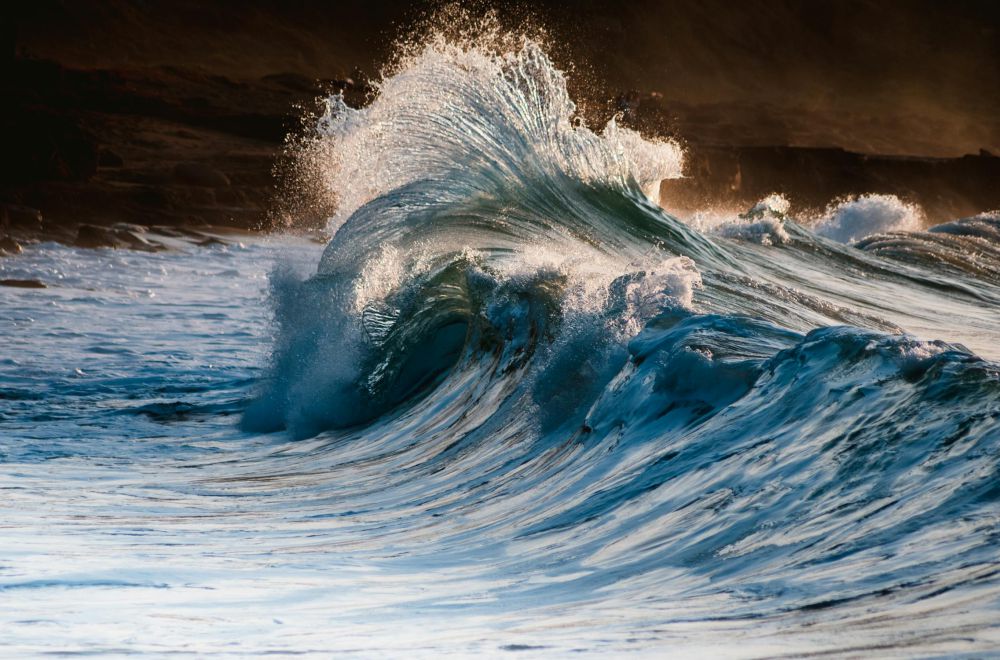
x=513 y=407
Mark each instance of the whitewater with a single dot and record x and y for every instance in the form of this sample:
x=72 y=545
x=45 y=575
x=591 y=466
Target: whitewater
x=512 y=406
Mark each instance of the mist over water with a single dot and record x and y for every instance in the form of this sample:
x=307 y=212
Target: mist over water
x=513 y=405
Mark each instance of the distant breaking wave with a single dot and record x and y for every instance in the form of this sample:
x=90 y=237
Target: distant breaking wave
x=751 y=417
x=853 y=219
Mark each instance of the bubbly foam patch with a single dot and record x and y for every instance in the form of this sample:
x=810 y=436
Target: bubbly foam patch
x=763 y=223
x=385 y=271
x=591 y=277
x=852 y=219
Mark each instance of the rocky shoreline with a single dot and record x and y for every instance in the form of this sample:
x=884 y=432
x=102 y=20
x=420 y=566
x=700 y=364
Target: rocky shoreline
x=811 y=178
x=160 y=147
x=123 y=121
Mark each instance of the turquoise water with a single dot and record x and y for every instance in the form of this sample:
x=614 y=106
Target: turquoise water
x=512 y=407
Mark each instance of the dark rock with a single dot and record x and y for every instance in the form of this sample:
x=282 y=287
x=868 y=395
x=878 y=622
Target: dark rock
x=108 y=158
x=986 y=153
x=90 y=236
x=293 y=81
x=168 y=231
x=196 y=174
x=153 y=197
x=129 y=227
x=44 y=145
x=136 y=242
x=210 y=241
x=24 y=284
x=121 y=235
x=231 y=196
x=20 y=218
x=9 y=246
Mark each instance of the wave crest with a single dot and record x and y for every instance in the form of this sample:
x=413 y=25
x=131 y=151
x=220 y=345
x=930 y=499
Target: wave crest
x=852 y=219
x=471 y=120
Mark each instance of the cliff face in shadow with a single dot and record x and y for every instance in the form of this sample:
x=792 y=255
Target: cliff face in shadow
x=159 y=113
x=175 y=113
x=159 y=145
x=909 y=77
x=810 y=178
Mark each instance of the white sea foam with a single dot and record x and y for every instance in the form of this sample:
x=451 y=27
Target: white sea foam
x=523 y=443
x=854 y=218
x=764 y=223
x=477 y=116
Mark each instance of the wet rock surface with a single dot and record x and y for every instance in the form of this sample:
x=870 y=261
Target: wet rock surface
x=9 y=246
x=89 y=236
x=24 y=284
x=14 y=217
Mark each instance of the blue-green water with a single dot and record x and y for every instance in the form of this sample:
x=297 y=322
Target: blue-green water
x=513 y=406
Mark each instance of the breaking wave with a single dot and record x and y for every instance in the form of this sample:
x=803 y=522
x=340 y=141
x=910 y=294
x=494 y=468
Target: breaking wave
x=614 y=405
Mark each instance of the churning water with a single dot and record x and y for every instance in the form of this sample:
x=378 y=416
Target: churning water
x=514 y=406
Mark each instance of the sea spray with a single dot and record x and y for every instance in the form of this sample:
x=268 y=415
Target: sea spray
x=516 y=406
x=855 y=218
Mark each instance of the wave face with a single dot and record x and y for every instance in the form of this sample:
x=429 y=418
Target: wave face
x=603 y=409
x=523 y=408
